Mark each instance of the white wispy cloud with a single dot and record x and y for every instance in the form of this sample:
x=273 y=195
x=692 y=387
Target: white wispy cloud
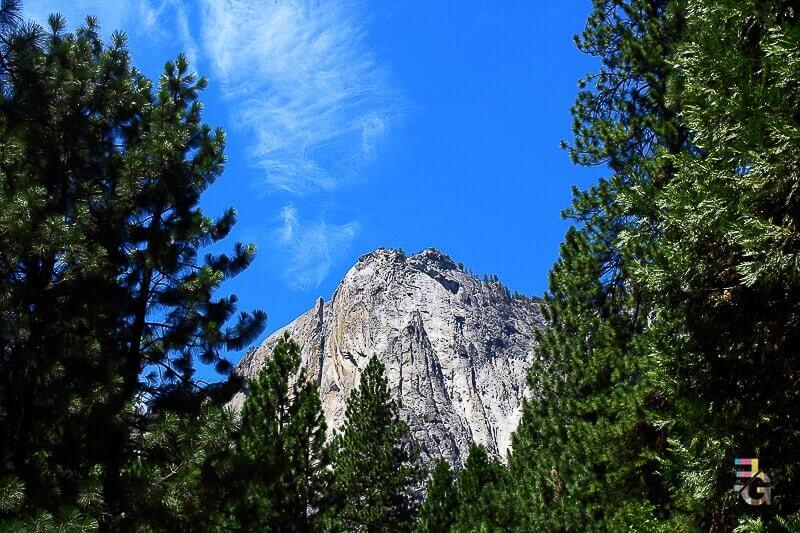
x=150 y=22
x=181 y=17
x=309 y=249
x=133 y=15
x=304 y=84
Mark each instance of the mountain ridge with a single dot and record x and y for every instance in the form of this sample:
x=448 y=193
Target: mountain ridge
x=456 y=348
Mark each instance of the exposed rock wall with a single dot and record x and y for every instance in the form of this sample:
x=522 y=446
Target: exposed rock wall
x=456 y=349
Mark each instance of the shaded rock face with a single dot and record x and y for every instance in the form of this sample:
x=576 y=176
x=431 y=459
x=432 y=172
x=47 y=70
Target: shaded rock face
x=456 y=349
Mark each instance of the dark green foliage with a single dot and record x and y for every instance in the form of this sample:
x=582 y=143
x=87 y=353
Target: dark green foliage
x=471 y=502
x=282 y=447
x=181 y=479
x=583 y=456
x=478 y=492
x=586 y=454
x=727 y=274
x=621 y=116
x=672 y=344
x=438 y=512
x=105 y=303
x=374 y=459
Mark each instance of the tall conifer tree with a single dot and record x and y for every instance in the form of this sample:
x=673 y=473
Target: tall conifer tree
x=105 y=303
x=726 y=273
x=285 y=461
x=438 y=512
x=586 y=454
x=374 y=459
x=477 y=490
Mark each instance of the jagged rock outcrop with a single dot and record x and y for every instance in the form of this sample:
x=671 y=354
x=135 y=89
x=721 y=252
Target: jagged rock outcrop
x=456 y=348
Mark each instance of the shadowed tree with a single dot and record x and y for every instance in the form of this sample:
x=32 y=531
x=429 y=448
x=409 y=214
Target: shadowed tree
x=587 y=453
x=477 y=490
x=105 y=300
x=374 y=460
x=438 y=512
x=282 y=444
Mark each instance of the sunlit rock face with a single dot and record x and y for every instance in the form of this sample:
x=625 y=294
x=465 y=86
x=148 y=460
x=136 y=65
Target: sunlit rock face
x=456 y=349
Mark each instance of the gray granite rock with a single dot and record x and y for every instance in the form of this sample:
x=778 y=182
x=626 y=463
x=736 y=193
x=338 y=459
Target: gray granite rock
x=456 y=349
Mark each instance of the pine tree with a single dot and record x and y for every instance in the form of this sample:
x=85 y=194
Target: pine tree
x=105 y=304
x=587 y=454
x=477 y=489
x=183 y=477
x=283 y=454
x=374 y=460
x=58 y=291
x=726 y=272
x=438 y=512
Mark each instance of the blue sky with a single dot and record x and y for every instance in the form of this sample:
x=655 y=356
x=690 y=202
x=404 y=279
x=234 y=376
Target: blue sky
x=359 y=124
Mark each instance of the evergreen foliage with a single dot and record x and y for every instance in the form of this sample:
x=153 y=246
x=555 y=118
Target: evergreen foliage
x=374 y=460
x=105 y=304
x=438 y=512
x=282 y=446
x=586 y=454
x=178 y=480
x=480 y=506
x=671 y=347
x=726 y=274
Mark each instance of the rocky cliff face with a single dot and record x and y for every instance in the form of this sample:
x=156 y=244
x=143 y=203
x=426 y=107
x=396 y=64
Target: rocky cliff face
x=456 y=349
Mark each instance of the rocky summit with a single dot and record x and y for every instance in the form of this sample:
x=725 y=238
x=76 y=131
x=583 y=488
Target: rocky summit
x=456 y=348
